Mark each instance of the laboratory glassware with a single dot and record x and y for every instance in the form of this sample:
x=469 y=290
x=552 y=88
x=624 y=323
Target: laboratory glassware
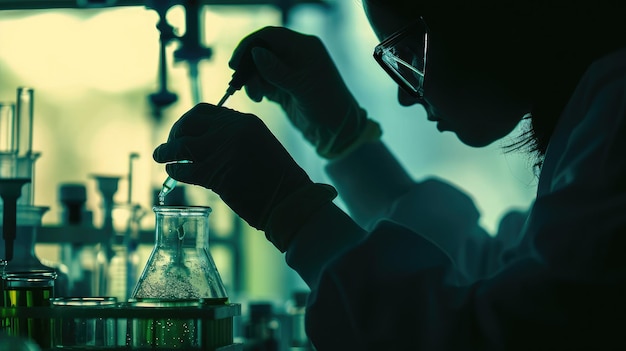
x=28 y=289
x=10 y=191
x=7 y=128
x=17 y=159
x=180 y=265
x=28 y=222
x=77 y=256
x=13 y=166
x=19 y=169
x=25 y=116
x=3 y=265
x=107 y=186
x=73 y=198
x=175 y=324
x=166 y=332
x=74 y=331
x=123 y=269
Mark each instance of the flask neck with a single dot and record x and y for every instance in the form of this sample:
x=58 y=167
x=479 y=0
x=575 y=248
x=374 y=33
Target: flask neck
x=176 y=231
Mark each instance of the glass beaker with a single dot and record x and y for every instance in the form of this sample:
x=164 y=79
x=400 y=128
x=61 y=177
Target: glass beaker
x=75 y=331
x=28 y=289
x=180 y=265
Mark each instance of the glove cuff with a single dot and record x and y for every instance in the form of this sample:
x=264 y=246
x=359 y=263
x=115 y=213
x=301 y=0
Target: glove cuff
x=287 y=218
x=371 y=132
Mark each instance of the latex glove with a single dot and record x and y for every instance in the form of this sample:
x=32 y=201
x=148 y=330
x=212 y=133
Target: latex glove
x=296 y=71
x=235 y=155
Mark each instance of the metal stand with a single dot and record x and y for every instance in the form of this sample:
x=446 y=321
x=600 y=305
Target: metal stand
x=10 y=191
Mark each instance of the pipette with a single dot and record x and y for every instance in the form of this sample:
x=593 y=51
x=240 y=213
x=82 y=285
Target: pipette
x=244 y=72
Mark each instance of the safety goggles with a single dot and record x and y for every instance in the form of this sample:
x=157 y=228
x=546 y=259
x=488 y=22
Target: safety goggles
x=403 y=56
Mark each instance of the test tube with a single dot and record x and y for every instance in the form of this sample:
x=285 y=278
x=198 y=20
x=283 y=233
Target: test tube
x=24 y=120
x=7 y=127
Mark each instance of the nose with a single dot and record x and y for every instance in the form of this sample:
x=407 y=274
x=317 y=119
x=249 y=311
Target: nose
x=407 y=100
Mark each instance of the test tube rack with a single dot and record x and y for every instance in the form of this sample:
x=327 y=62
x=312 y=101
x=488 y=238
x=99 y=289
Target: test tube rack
x=214 y=323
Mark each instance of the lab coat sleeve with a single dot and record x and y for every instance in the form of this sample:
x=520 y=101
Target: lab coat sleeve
x=369 y=181
x=375 y=187
x=392 y=292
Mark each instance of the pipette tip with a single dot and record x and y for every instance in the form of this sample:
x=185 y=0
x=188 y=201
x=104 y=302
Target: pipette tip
x=223 y=99
x=168 y=185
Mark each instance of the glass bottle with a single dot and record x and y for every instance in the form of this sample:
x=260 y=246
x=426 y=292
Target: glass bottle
x=180 y=265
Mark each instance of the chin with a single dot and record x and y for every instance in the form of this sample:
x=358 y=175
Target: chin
x=476 y=141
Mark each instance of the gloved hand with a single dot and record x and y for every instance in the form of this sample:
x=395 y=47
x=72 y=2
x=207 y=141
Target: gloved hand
x=296 y=71
x=235 y=155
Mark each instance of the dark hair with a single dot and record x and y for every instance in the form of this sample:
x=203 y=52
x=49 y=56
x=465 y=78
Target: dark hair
x=574 y=39
x=558 y=42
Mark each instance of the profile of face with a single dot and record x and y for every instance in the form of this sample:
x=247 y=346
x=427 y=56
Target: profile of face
x=470 y=104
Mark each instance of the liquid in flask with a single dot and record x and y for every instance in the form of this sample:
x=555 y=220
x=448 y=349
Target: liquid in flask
x=180 y=266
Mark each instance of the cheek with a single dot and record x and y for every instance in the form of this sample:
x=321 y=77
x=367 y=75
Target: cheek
x=445 y=91
x=405 y=99
x=462 y=107
x=473 y=103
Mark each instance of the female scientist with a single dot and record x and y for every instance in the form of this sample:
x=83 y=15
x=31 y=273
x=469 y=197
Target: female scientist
x=409 y=267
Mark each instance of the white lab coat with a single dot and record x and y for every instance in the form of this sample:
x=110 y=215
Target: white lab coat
x=422 y=274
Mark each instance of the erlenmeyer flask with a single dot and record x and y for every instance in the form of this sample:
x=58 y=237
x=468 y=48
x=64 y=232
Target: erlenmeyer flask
x=180 y=265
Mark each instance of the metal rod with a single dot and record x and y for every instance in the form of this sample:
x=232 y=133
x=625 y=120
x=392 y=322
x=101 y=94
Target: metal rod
x=71 y=4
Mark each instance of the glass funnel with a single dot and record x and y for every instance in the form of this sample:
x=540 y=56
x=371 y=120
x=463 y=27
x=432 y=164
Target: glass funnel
x=180 y=265
x=24 y=257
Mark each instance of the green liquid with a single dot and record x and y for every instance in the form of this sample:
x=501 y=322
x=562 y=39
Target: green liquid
x=27 y=297
x=188 y=334
x=36 y=329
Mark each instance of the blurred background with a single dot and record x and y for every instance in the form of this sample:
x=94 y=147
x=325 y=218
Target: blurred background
x=101 y=107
